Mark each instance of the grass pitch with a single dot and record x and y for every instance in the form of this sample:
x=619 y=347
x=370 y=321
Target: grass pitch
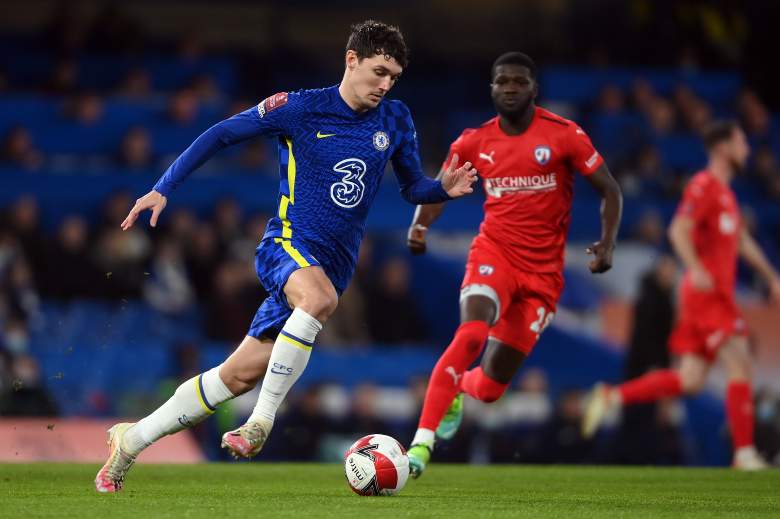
x=247 y=490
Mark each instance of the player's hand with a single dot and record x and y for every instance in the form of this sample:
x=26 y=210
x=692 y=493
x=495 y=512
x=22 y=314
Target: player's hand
x=415 y=239
x=457 y=181
x=774 y=291
x=701 y=279
x=151 y=200
x=602 y=262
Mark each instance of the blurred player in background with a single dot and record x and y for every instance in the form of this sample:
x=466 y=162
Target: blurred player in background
x=334 y=144
x=708 y=236
x=526 y=157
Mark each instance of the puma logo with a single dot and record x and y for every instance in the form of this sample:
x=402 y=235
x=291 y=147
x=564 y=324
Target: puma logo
x=454 y=374
x=487 y=157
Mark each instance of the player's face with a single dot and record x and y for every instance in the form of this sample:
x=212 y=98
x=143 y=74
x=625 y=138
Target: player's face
x=370 y=79
x=739 y=149
x=513 y=89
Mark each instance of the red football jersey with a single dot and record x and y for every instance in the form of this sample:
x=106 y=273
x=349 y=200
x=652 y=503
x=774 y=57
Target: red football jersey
x=528 y=181
x=717 y=226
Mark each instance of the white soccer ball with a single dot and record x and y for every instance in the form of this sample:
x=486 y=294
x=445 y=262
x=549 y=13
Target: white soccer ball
x=376 y=465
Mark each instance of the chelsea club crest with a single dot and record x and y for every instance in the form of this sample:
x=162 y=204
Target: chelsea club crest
x=381 y=141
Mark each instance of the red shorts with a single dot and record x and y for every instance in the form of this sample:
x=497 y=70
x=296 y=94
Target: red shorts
x=526 y=301
x=706 y=322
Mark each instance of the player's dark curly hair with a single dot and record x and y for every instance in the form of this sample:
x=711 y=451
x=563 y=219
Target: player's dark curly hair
x=370 y=37
x=514 y=58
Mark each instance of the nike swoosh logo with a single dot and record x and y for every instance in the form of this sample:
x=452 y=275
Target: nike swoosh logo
x=321 y=135
x=279 y=372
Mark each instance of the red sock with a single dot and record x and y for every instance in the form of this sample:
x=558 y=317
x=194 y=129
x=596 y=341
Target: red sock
x=464 y=349
x=739 y=411
x=478 y=385
x=651 y=387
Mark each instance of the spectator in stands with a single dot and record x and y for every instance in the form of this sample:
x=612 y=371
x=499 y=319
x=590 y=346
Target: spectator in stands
x=254 y=156
x=242 y=247
x=136 y=85
x=18 y=150
x=766 y=171
x=180 y=226
x=183 y=108
x=640 y=433
x=647 y=176
x=661 y=117
x=85 y=109
x=348 y=325
x=227 y=222
x=755 y=118
x=643 y=96
x=135 y=151
x=393 y=315
x=203 y=256
x=23 y=221
x=650 y=229
x=206 y=90
x=167 y=288
x=613 y=129
x=70 y=253
x=521 y=420
x=121 y=255
x=767 y=406
x=304 y=425
x=562 y=441
x=364 y=416
x=235 y=296
x=64 y=78
x=26 y=396
x=22 y=296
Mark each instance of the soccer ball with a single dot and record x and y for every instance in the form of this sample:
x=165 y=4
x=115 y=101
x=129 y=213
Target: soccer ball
x=376 y=465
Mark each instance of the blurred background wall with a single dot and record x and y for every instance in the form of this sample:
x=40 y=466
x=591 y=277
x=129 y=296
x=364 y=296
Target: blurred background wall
x=97 y=98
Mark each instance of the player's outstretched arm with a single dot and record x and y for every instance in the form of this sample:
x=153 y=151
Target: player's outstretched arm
x=424 y=216
x=682 y=242
x=611 y=209
x=751 y=252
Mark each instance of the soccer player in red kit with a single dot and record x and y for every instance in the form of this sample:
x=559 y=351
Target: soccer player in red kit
x=708 y=236
x=526 y=157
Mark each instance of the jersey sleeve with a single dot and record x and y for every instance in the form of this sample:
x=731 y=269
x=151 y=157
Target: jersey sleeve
x=583 y=157
x=273 y=116
x=416 y=187
x=695 y=203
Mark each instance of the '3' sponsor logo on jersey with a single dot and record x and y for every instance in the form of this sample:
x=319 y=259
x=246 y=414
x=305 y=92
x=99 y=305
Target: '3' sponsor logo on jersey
x=348 y=192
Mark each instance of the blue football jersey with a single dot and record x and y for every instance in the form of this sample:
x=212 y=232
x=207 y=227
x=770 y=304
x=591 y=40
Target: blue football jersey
x=331 y=163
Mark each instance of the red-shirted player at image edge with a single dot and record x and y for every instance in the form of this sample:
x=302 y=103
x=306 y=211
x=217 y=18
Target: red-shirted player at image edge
x=527 y=158
x=708 y=236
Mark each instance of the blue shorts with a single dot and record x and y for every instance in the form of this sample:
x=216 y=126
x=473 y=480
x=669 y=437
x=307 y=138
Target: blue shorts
x=275 y=260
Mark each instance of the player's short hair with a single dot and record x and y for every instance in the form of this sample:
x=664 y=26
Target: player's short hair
x=514 y=58
x=718 y=131
x=370 y=38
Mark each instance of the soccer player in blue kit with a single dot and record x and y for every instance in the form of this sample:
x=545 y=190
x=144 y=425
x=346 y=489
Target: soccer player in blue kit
x=334 y=144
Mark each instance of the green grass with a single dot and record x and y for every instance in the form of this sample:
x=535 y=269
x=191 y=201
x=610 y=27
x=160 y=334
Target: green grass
x=259 y=490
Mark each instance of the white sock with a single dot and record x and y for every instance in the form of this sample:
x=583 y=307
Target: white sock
x=424 y=436
x=289 y=357
x=192 y=402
